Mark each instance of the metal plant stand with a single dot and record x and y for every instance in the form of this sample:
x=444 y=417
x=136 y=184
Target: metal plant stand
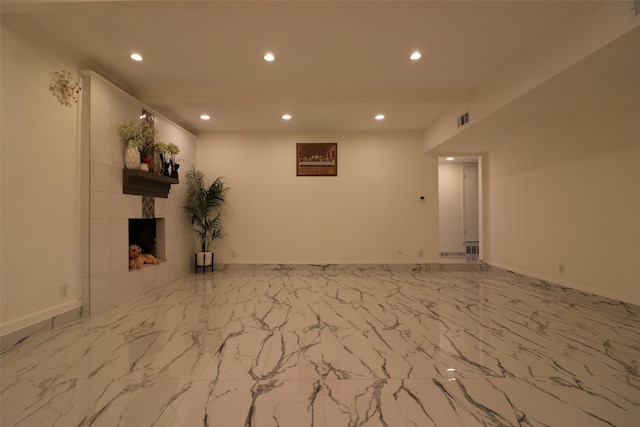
x=203 y=267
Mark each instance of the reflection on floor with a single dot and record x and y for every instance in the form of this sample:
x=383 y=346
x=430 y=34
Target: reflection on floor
x=336 y=346
x=459 y=259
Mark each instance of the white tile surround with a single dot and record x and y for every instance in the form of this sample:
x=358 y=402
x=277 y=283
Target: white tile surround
x=335 y=346
x=107 y=280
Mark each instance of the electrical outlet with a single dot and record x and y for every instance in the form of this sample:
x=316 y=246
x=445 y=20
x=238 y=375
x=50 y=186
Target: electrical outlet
x=64 y=290
x=421 y=253
x=233 y=253
x=561 y=268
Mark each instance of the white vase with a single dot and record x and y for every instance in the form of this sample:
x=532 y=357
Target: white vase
x=131 y=157
x=203 y=259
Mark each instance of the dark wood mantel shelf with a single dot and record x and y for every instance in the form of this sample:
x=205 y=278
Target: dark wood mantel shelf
x=143 y=183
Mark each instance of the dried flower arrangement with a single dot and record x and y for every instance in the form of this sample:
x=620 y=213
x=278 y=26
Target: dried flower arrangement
x=137 y=134
x=168 y=153
x=64 y=87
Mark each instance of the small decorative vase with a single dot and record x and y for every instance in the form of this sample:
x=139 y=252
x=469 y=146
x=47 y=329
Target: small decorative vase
x=131 y=157
x=174 y=170
x=166 y=164
x=144 y=167
x=157 y=163
x=174 y=167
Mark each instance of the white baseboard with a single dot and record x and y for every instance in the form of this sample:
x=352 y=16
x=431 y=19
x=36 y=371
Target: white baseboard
x=18 y=329
x=568 y=284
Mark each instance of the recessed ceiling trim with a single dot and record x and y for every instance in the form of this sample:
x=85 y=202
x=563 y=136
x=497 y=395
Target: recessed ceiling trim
x=305 y=97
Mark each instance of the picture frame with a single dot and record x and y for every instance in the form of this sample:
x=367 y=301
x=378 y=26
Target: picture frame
x=317 y=159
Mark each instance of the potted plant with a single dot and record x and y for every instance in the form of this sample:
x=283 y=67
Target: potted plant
x=173 y=149
x=160 y=150
x=130 y=133
x=136 y=135
x=167 y=153
x=200 y=205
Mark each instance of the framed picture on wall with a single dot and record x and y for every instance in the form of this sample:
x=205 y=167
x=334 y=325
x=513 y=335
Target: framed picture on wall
x=317 y=159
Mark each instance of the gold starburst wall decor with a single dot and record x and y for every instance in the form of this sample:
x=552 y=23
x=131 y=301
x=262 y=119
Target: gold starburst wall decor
x=64 y=87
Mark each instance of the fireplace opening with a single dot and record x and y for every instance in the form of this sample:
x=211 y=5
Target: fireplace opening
x=148 y=233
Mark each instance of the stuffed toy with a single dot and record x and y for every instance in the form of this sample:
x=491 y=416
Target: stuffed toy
x=138 y=259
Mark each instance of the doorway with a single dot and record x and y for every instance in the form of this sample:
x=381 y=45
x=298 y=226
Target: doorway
x=471 y=207
x=459 y=190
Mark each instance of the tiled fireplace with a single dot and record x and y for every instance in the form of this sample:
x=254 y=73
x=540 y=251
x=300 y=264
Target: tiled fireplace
x=107 y=212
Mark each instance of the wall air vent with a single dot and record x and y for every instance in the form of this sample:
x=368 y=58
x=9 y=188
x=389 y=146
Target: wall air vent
x=635 y=10
x=464 y=118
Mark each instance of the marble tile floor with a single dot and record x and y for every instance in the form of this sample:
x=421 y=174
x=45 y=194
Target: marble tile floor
x=335 y=346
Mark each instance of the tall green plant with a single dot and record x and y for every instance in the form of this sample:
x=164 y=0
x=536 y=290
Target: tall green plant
x=200 y=202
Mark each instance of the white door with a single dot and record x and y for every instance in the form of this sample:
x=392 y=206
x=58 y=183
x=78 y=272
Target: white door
x=471 y=204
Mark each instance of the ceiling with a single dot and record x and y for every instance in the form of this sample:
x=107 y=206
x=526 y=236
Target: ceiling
x=338 y=63
x=603 y=79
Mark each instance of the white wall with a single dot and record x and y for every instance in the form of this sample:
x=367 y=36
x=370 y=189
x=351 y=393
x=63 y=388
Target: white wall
x=63 y=215
x=40 y=198
x=570 y=196
x=369 y=213
x=450 y=188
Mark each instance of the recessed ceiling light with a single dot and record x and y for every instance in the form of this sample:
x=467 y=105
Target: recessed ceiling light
x=136 y=57
x=269 y=57
x=415 y=56
x=286 y=117
x=379 y=116
x=205 y=116
x=450 y=158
